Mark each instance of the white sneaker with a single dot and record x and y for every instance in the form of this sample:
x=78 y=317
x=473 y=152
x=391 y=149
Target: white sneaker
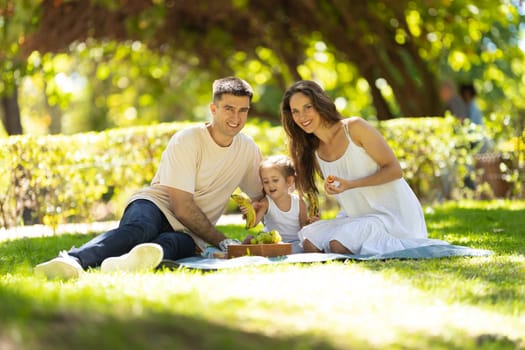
x=145 y=256
x=64 y=267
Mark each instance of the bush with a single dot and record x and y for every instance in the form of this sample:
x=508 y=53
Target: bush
x=434 y=153
x=56 y=179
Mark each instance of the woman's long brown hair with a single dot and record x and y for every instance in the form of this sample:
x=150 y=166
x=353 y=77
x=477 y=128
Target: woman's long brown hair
x=302 y=145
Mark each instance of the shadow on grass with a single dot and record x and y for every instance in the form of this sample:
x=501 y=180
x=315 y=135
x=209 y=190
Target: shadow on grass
x=25 y=327
x=499 y=276
x=42 y=328
x=28 y=324
x=460 y=340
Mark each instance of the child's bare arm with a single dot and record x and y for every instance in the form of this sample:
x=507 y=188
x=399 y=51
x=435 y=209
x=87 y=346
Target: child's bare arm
x=303 y=213
x=261 y=207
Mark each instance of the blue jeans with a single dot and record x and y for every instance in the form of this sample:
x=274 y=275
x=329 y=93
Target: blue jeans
x=141 y=222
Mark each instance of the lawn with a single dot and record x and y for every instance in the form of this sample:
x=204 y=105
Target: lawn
x=462 y=303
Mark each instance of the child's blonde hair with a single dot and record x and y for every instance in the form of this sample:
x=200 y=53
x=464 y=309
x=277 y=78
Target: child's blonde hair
x=283 y=164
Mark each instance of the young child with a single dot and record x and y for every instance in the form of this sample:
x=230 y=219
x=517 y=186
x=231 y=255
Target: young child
x=281 y=209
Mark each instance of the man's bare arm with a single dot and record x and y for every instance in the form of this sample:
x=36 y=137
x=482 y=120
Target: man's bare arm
x=191 y=216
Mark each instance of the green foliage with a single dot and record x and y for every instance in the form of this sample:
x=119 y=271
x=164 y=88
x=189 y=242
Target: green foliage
x=17 y=20
x=433 y=152
x=101 y=85
x=269 y=138
x=367 y=55
x=55 y=179
x=479 y=42
x=453 y=303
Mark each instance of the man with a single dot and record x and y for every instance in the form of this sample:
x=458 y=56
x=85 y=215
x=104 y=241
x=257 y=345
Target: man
x=175 y=216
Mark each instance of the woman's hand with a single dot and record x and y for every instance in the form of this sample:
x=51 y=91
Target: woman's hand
x=334 y=185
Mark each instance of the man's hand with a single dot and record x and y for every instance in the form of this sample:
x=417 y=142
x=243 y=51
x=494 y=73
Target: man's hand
x=214 y=253
x=223 y=245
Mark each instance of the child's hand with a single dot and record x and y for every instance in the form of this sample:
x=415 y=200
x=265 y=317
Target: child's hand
x=243 y=210
x=256 y=205
x=312 y=219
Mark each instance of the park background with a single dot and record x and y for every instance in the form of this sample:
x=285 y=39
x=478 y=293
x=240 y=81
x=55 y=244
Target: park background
x=114 y=79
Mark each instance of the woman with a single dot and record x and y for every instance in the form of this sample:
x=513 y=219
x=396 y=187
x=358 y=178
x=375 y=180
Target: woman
x=380 y=213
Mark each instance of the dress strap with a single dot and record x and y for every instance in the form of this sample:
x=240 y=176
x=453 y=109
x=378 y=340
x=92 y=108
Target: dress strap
x=347 y=133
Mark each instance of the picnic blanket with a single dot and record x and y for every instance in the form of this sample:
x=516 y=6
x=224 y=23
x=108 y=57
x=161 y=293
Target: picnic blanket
x=424 y=252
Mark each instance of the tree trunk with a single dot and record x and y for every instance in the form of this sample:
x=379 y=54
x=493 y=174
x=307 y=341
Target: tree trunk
x=383 y=111
x=11 y=112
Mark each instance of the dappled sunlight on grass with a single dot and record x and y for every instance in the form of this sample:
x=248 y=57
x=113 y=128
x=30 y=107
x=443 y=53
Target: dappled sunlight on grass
x=488 y=283
x=449 y=303
x=335 y=303
x=505 y=204
x=480 y=224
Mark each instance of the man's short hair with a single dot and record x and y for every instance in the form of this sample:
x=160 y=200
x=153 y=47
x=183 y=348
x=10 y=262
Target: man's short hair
x=231 y=85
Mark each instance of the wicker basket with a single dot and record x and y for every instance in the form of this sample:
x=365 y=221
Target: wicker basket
x=492 y=174
x=268 y=250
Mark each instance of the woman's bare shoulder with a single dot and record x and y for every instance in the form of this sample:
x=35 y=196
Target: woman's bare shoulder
x=358 y=128
x=355 y=120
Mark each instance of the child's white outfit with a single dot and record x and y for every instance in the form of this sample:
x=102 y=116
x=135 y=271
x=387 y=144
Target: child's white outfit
x=286 y=222
x=377 y=219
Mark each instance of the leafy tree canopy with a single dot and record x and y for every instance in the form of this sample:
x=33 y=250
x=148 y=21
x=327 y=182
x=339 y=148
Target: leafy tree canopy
x=139 y=61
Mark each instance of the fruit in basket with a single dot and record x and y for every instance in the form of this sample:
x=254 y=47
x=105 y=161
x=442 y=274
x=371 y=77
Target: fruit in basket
x=243 y=200
x=263 y=237
x=276 y=237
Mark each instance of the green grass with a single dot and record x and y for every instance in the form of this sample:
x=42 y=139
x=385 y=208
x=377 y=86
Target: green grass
x=458 y=303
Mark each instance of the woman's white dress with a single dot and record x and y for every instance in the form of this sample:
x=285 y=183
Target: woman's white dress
x=374 y=219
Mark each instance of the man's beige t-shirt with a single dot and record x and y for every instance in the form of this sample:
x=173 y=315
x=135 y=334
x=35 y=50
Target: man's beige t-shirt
x=194 y=163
